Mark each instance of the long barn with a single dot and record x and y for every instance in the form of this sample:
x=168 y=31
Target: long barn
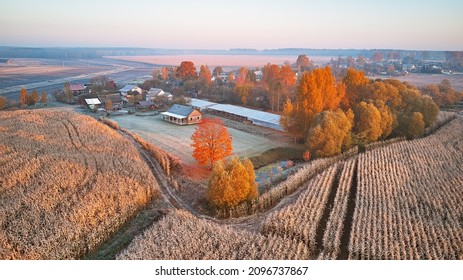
x=256 y=117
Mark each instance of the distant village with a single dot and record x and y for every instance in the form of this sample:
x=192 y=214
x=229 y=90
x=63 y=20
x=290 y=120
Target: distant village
x=263 y=89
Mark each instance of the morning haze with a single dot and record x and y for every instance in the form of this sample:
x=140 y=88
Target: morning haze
x=203 y=24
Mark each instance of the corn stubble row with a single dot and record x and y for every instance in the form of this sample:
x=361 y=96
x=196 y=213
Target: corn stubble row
x=409 y=203
x=66 y=183
x=180 y=235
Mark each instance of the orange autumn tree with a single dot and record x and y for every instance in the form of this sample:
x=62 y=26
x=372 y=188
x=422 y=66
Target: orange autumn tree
x=232 y=182
x=211 y=141
x=205 y=75
x=317 y=91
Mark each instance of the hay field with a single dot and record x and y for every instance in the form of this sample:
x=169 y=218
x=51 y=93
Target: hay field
x=66 y=183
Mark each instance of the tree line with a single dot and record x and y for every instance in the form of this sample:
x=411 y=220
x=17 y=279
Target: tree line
x=331 y=116
x=25 y=99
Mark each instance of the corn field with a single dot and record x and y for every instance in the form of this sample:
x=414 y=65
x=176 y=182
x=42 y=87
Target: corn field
x=67 y=182
x=400 y=201
x=180 y=235
x=299 y=220
x=409 y=202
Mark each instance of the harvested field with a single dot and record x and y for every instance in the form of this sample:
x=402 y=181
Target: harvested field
x=421 y=80
x=399 y=201
x=176 y=139
x=409 y=202
x=67 y=182
x=182 y=236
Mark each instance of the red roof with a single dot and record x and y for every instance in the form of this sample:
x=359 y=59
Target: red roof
x=76 y=87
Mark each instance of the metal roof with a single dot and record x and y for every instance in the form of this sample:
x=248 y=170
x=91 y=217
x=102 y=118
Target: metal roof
x=257 y=117
x=180 y=110
x=155 y=91
x=93 y=101
x=173 y=115
x=129 y=88
x=198 y=103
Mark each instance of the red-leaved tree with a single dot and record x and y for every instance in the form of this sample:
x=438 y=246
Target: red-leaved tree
x=211 y=141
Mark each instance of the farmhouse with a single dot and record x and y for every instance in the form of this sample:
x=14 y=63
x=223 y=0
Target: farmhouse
x=130 y=88
x=77 y=89
x=182 y=115
x=154 y=93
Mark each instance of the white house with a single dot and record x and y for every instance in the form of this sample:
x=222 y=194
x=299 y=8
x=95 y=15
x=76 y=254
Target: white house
x=153 y=93
x=130 y=88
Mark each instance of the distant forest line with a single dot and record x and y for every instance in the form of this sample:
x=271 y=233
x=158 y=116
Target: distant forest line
x=87 y=53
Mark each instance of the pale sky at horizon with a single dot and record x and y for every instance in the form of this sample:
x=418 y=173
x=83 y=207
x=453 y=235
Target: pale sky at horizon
x=214 y=24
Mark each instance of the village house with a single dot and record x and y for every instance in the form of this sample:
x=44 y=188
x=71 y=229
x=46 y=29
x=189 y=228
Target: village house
x=77 y=89
x=130 y=89
x=117 y=100
x=156 y=93
x=182 y=115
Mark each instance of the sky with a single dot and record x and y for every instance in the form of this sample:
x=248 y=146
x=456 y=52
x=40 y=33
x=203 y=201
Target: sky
x=215 y=24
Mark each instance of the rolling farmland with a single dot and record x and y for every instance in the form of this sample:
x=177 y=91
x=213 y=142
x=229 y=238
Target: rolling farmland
x=67 y=183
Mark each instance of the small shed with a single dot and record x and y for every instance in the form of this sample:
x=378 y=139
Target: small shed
x=93 y=103
x=182 y=115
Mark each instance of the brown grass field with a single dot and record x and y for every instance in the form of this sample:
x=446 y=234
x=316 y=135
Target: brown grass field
x=67 y=182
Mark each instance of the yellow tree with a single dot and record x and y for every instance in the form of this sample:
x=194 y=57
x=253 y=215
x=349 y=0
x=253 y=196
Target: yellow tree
x=211 y=141
x=388 y=119
x=271 y=79
x=205 y=75
x=355 y=81
x=415 y=126
x=329 y=133
x=164 y=73
x=367 y=124
x=43 y=98
x=33 y=98
x=231 y=183
x=2 y=102
x=241 y=77
x=109 y=105
x=23 y=96
x=316 y=92
x=243 y=91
